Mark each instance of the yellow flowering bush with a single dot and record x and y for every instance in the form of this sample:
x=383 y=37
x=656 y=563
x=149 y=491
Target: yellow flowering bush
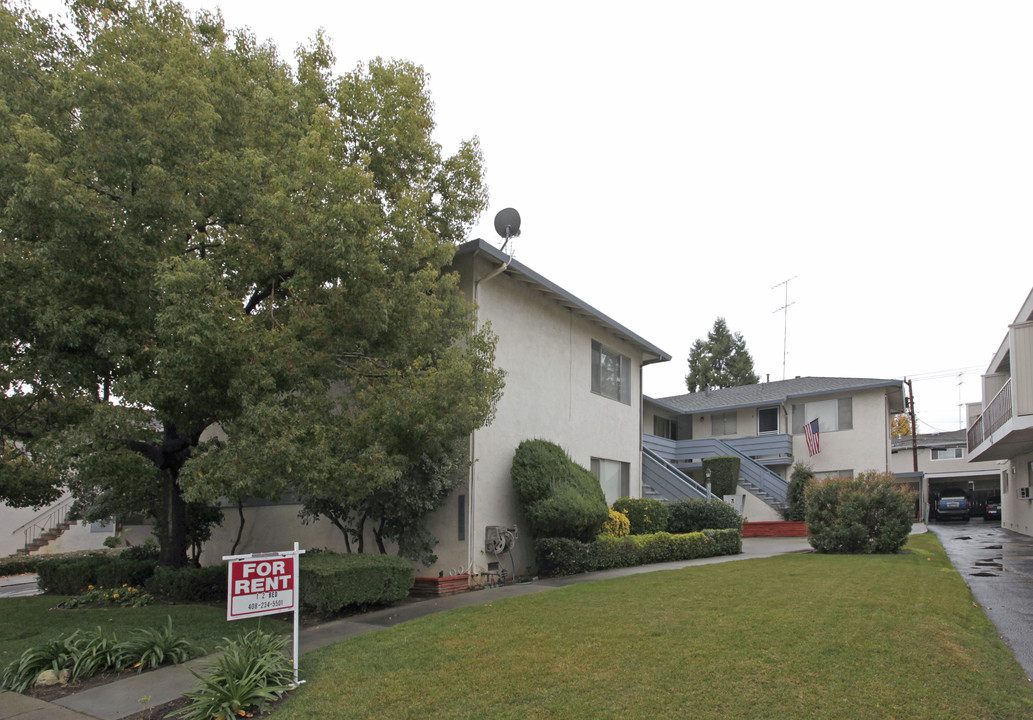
x=617 y=525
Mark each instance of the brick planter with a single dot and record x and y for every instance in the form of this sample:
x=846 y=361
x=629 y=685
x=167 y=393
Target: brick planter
x=781 y=528
x=438 y=586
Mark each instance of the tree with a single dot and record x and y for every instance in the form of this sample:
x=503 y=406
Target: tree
x=901 y=425
x=224 y=277
x=721 y=361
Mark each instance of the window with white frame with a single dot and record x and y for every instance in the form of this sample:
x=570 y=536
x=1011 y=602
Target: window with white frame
x=951 y=453
x=832 y=415
x=767 y=420
x=611 y=373
x=724 y=423
x=614 y=478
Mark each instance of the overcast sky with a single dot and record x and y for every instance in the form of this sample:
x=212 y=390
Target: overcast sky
x=676 y=162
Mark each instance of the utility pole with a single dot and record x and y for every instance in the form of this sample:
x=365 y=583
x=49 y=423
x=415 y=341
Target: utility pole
x=785 y=327
x=910 y=402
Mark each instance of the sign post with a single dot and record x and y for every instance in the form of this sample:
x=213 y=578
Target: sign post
x=265 y=584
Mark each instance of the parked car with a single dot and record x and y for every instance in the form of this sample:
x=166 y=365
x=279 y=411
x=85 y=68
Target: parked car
x=953 y=503
x=992 y=510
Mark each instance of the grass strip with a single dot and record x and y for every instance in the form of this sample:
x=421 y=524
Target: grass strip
x=797 y=636
x=30 y=621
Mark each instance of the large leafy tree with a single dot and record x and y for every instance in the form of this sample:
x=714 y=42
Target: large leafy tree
x=720 y=361
x=220 y=276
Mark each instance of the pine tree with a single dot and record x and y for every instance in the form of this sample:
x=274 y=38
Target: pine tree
x=720 y=361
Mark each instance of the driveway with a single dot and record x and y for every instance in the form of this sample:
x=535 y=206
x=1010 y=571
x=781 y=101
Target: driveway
x=997 y=564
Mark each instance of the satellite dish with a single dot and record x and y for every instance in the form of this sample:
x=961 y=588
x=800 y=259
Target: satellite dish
x=507 y=223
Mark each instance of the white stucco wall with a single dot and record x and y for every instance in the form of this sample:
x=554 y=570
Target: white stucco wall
x=1017 y=514
x=546 y=351
x=865 y=447
x=76 y=537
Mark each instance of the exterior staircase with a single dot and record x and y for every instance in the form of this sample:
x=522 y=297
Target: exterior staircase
x=44 y=528
x=754 y=477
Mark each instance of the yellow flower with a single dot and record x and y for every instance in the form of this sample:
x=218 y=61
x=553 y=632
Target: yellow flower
x=115 y=595
x=90 y=587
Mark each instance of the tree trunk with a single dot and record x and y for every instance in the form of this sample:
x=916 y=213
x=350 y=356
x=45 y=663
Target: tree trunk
x=240 y=528
x=173 y=521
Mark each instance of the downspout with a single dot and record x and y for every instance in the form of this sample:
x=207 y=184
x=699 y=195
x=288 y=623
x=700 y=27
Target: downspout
x=470 y=524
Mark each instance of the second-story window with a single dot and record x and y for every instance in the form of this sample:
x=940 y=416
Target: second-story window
x=832 y=415
x=767 y=420
x=951 y=453
x=724 y=423
x=611 y=373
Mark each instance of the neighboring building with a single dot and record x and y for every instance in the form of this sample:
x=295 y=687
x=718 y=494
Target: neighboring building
x=47 y=532
x=943 y=464
x=763 y=425
x=573 y=377
x=1004 y=430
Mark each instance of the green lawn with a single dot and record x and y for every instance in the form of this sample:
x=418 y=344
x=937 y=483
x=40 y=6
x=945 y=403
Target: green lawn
x=798 y=636
x=29 y=621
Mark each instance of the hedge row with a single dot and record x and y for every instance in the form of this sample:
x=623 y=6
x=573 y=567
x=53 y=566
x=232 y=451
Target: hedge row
x=329 y=581
x=562 y=556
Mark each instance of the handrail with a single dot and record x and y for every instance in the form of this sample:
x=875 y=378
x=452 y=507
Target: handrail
x=751 y=470
x=44 y=522
x=998 y=411
x=60 y=506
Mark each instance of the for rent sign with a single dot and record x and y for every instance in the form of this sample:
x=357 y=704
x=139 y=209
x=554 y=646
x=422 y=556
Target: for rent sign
x=262 y=585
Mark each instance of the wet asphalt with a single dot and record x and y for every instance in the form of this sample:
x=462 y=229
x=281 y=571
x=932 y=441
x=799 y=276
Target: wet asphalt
x=997 y=564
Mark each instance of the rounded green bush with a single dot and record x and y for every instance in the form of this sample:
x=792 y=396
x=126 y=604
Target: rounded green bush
x=688 y=516
x=645 y=515
x=558 y=497
x=866 y=514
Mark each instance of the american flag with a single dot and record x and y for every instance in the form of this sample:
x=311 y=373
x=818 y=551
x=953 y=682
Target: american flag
x=810 y=431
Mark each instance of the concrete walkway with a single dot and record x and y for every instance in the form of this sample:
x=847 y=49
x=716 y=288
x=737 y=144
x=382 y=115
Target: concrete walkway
x=122 y=698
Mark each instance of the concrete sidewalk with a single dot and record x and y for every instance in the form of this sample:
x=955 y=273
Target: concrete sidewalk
x=124 y=697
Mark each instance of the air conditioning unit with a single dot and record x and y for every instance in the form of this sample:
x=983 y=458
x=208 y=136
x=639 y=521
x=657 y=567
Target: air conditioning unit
x=1023 y=493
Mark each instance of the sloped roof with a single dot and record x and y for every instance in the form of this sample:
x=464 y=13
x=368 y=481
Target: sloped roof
x=519 y=271
x=774 y=393
x=952 y=438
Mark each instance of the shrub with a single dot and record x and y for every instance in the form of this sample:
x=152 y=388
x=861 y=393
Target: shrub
x=724 y=474
x=866 y=514
x=189 y=584
x=119 y=572
x=70 y=576
x=564 y=556
x=617 y=525
x=250 y=672
x=799 y=480
x=331 y=581
x=687 y=516
x=558 y=497
x=646 y=516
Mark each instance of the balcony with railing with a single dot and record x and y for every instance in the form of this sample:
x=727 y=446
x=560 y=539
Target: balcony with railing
x=1005 y=428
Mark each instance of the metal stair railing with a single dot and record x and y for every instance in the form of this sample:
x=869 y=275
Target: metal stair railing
x=667 y=480
x=49 y=519
x=750 y=470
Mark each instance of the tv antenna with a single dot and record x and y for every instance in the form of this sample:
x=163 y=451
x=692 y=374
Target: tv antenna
x=785 y=326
